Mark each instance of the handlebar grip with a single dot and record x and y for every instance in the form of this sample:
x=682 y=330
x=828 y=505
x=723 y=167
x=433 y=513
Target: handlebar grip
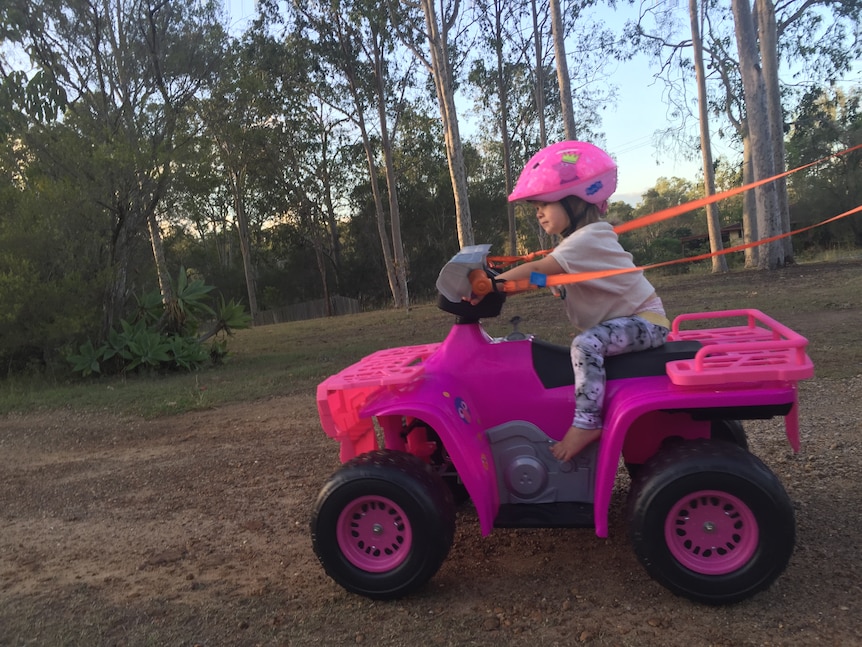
x=480 y=283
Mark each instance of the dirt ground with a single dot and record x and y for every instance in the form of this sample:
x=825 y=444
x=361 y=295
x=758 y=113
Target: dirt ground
x=193 y=530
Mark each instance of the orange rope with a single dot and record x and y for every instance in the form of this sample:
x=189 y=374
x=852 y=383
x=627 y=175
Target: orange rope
x=678 y=210
x=562 y=279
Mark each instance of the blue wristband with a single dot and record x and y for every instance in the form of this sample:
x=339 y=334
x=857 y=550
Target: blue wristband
x=539 y=280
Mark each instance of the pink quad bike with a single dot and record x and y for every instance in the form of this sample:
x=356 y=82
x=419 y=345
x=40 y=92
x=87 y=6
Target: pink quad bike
x=423 y=428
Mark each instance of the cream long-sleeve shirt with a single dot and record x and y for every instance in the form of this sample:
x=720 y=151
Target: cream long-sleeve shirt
x=593 y=248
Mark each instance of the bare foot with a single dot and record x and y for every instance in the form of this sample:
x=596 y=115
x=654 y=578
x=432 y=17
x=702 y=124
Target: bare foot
x=574 y=442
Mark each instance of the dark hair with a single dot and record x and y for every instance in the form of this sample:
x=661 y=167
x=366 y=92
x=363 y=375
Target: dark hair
x=580 y=212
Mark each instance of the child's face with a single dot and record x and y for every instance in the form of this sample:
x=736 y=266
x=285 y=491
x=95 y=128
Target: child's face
x=552 y=217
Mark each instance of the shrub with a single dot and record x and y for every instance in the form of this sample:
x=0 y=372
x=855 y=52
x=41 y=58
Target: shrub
x=165 y=335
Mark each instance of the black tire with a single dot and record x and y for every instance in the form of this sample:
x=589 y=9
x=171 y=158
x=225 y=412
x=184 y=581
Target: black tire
x=710 y=522
x=383 y=524
x=730 y=431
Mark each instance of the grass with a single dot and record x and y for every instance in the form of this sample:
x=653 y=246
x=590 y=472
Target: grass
x=820 y=300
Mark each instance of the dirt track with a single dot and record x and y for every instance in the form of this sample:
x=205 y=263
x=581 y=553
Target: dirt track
x=193 y=530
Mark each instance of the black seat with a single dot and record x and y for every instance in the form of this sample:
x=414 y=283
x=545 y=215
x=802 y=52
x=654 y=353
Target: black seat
x=553 y=363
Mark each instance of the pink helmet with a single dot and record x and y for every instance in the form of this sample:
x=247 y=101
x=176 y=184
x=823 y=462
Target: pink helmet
x=567 y=168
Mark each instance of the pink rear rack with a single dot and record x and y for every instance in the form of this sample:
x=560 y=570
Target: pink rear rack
x=762 y=350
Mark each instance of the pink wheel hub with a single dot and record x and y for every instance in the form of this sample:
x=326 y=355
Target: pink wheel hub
x=374 y=534
x=711 y=532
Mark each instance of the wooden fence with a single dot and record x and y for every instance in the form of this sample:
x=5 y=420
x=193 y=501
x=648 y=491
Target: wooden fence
x=308 y=310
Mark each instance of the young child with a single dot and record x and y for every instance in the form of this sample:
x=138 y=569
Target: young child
x=569 y=184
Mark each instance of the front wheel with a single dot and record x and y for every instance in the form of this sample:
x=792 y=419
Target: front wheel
x=710 y=521
x=383 y=524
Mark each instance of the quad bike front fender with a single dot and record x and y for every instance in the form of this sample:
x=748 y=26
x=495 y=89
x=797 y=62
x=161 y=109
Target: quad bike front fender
x=447 y=410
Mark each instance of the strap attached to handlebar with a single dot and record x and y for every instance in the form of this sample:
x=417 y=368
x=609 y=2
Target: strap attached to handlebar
x=678 y=210
x=538 y=280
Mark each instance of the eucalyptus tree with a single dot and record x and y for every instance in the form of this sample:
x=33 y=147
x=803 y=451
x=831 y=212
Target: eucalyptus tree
x=314 y=168
x=713 y=218
x=769 y=220
x=435 y=37
x=241 y=118
x=496 y=19
x=126 y=70
x=663 y=43
x=559 y=33
x=366 y=80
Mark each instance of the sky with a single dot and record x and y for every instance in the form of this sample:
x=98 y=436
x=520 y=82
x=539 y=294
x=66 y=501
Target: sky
x=630 y=126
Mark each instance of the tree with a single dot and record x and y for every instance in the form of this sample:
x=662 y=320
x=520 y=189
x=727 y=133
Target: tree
x=767 y=38
x=559 y=32
x=361 y=49
x=51 y=276
x=239 y=118
x=713 y=218
x=826 y=121
x=127 y=72
x=769 y=220
x=437 y=33
x=816 y=36
x=493 y=17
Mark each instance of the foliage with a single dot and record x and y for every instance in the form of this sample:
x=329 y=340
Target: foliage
x=95 y=137
x=826 y=122
x=164 y=336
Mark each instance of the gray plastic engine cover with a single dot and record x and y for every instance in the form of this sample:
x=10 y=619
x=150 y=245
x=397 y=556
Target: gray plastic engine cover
x=527 y=472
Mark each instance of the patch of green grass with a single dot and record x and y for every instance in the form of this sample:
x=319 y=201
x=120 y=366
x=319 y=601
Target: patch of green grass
x=820 y=300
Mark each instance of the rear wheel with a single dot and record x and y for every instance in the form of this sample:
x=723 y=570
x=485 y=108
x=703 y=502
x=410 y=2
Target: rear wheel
x=730 y=431
x=383 y=524
x=710 y=521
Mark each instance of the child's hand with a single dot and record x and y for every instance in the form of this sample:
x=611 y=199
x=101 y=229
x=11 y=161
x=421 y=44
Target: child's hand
x=483 y=282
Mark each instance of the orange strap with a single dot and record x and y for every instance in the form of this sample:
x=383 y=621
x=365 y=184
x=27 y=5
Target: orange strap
x=678 y=210
x=562 y=279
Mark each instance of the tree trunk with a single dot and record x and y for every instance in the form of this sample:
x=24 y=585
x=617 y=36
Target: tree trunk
x=393 y=263
x=331 y=219
x=320 y=259
x=539 y=89
x=385 y=245
x=768 y=39
x=559 y=33
x=749 y=207
x=719 y=263
x=238 y=187
x=438 y=44
x=768 y=217
x=159 y=255
x=401 y=293
x=503 y=101
x=115 y=290
x=539 y=93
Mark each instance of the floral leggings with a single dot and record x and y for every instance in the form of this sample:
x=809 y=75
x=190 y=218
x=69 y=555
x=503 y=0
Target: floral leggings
x=589 y=349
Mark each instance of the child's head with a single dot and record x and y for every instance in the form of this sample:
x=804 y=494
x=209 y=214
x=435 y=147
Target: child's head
x=577 y=174
x=564 y=217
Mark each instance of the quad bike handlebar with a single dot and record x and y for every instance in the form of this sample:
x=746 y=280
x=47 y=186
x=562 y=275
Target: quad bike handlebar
x=480 y=283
